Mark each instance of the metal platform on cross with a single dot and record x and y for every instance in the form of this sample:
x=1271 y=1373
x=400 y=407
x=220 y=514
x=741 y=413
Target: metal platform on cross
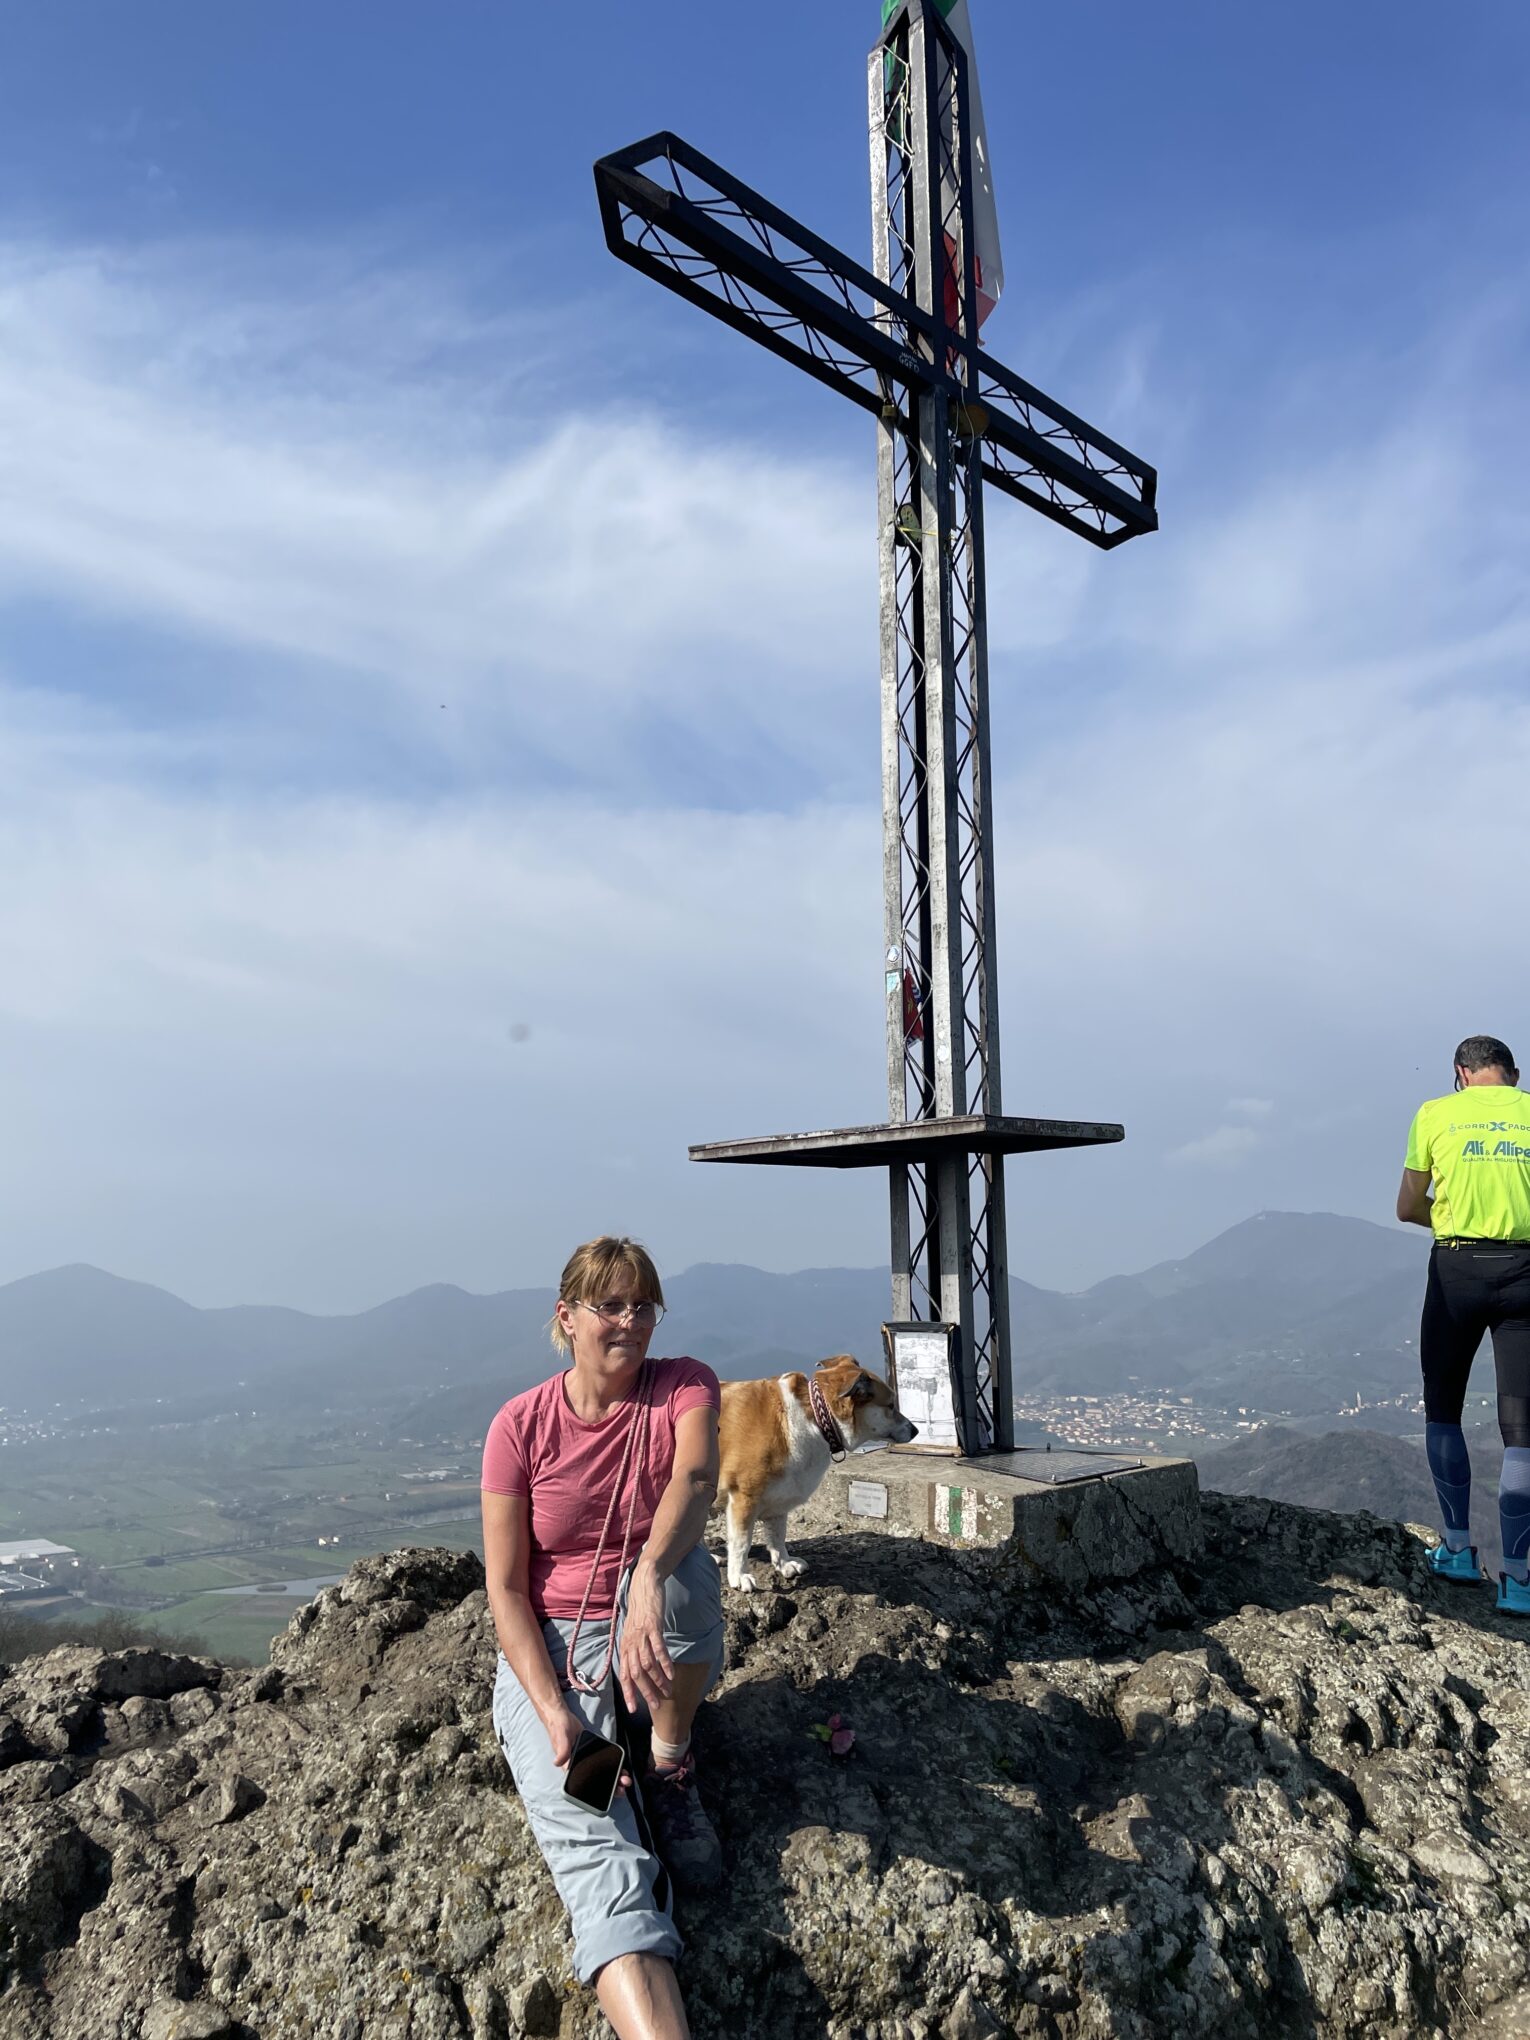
x=902 y=341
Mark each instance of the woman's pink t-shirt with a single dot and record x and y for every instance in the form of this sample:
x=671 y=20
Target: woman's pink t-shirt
x=567 y=1468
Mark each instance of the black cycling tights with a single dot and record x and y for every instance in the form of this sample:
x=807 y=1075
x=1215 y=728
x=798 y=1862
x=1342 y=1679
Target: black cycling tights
x=1473 y=1290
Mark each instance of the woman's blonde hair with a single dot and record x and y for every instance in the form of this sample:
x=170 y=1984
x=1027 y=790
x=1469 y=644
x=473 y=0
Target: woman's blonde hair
x=591 y=1270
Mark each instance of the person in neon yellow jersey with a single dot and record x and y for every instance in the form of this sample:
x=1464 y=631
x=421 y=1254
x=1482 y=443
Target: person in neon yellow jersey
x=1467 y=1177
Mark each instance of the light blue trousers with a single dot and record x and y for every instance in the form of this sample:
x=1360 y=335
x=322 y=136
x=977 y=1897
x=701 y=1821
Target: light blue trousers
x=616 y=1889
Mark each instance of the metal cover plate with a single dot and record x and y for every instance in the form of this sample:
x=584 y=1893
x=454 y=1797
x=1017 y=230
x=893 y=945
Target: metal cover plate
x=1054 y=1467
x=916 y=1140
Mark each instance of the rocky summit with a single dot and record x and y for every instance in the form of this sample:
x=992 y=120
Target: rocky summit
x=1285 y=1791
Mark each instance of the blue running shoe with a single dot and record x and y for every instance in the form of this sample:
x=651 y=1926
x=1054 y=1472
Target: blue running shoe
x=1458 y=1565
x=1513 y=1596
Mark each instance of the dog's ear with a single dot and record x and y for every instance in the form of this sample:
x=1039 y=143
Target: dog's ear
x=863 y=1389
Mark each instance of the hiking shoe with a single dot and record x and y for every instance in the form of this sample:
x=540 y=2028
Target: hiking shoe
x=1456 y=1565
x=685 y=1839
x=1513 y=1596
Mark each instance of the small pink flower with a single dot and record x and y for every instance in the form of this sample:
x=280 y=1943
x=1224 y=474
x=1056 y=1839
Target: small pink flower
x=836 y=1733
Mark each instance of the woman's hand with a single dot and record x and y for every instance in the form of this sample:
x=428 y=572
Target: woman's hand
x=646 y=1669
x=562 y=1733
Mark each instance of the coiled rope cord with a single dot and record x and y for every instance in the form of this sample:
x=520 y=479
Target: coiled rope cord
x=635 y=1459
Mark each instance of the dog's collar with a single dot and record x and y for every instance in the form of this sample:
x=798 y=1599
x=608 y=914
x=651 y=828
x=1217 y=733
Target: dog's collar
x=823 y=1417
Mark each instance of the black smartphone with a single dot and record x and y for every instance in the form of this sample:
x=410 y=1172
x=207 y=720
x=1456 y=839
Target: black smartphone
x=594 y=1771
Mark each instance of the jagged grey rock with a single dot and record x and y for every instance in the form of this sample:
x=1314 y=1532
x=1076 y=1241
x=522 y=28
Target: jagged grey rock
x=172 y=2019
x=1280 y=1791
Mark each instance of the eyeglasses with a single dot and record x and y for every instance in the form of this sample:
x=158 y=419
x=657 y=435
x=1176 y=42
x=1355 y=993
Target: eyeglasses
x=642 y=1316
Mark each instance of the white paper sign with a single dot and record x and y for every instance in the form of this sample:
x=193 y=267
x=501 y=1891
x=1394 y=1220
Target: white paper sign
x=867 y=1498
x=924 y=1385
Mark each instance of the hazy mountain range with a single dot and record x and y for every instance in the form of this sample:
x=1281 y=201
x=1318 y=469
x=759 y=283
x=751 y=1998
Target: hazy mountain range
x=1287 y=1310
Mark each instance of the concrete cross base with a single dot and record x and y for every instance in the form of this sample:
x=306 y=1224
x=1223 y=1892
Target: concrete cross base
x=1075 y=1534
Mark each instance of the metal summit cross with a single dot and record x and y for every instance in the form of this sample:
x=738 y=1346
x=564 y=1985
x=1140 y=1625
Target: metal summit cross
x=903 y=343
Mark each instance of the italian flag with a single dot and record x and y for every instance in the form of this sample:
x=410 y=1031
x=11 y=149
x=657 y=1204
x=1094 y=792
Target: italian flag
x=989 y=260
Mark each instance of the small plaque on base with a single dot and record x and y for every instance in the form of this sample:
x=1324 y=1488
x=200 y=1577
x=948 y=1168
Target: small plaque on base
x=867 y=1498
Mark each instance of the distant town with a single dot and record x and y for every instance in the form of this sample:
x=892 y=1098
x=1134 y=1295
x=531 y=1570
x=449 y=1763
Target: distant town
x=1178 y=1423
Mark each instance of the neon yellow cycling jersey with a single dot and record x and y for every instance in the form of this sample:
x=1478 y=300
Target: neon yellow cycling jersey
x=1476 y=1145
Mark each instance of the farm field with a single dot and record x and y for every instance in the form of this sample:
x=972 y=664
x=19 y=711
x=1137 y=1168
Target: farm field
x=236 y=1628
x=166 y=1519
x=243 y=1625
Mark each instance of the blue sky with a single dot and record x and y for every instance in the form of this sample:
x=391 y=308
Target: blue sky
x=437 y=669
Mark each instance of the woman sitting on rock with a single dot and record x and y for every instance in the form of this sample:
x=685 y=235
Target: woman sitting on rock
x=596 y=1489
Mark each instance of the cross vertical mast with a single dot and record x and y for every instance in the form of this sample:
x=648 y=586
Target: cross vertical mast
x=946 y=1215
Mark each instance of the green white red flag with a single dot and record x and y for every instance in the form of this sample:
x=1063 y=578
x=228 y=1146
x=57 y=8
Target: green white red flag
x=988 y=257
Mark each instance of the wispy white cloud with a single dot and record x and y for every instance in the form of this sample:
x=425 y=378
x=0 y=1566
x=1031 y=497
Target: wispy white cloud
x=1225 y=1144
x=1240 y=1132
x=299 y=479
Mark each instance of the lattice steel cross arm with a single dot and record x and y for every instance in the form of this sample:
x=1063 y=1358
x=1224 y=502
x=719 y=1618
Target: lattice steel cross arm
x=689 y=224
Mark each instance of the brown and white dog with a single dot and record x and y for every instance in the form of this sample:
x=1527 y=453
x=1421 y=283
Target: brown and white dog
x=773 y=1449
